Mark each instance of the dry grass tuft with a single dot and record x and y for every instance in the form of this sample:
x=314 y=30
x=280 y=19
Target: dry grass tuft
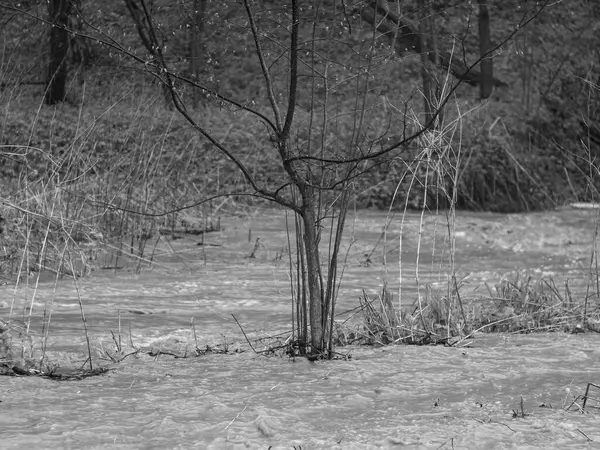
x=520 y=304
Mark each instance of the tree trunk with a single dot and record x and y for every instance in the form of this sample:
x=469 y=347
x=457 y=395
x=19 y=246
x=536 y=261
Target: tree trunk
x=407 y=39
x=196 y=45
x=315 y=291
x=81 y=53
x=429 y=99
x=487 y=63
x=141 y=14
x=435 y=60
x=58 y=11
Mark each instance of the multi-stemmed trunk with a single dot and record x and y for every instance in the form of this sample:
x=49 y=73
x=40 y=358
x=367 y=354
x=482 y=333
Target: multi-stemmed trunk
x=310 y=242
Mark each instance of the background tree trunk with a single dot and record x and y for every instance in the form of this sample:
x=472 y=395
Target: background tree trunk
x=58 y=11
x=434 y=50
x=196 y=44
x=140 y=11
x=81 y=53
x=406 y=39
x=487 y=63
x=429 y=94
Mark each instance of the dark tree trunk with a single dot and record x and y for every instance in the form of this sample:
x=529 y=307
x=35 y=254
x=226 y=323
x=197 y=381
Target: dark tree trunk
x=315 y=289
x=487 y=63
x=434 y=58
x=58 y=11
x=196 y=45
x=141 y=15
x=407 y=39
x=429 y=99
x=81 y=53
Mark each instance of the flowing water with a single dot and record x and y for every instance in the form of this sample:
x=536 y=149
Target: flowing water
x=400 y=396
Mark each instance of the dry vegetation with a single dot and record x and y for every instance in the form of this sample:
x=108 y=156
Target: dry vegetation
x=518 y=304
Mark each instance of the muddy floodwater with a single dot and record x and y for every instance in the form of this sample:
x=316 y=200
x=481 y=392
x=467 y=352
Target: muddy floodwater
x=391 y=397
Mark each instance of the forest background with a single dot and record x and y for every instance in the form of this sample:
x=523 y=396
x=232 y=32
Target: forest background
x=531 y=144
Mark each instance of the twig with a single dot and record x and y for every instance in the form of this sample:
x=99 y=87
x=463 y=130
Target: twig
x=236 y=417
x=585 y=435
x=194 y=331
x=244 y=333
x=502 y=423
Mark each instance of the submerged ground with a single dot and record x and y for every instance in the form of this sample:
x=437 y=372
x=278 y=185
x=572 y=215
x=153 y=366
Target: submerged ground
x=410 y=397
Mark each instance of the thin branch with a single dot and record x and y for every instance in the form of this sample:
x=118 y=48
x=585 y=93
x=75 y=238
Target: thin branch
x=134 y=11
x=244 y=333
x=168 y=77
x=181 y=108
x=263 y=67
x=114 y=207
x=434 y=117
x=115 y=45
x=289 y=117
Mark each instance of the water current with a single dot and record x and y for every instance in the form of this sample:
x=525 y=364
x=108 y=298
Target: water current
x=389 y=397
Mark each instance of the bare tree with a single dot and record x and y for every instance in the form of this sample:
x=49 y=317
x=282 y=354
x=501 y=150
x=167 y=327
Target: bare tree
x=320 y=161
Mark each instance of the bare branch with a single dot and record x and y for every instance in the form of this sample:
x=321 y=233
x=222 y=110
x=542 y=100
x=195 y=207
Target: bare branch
x=407 y=38
x=289 y=117
x=110 y=42
x=403 y=142
x=264 y=68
